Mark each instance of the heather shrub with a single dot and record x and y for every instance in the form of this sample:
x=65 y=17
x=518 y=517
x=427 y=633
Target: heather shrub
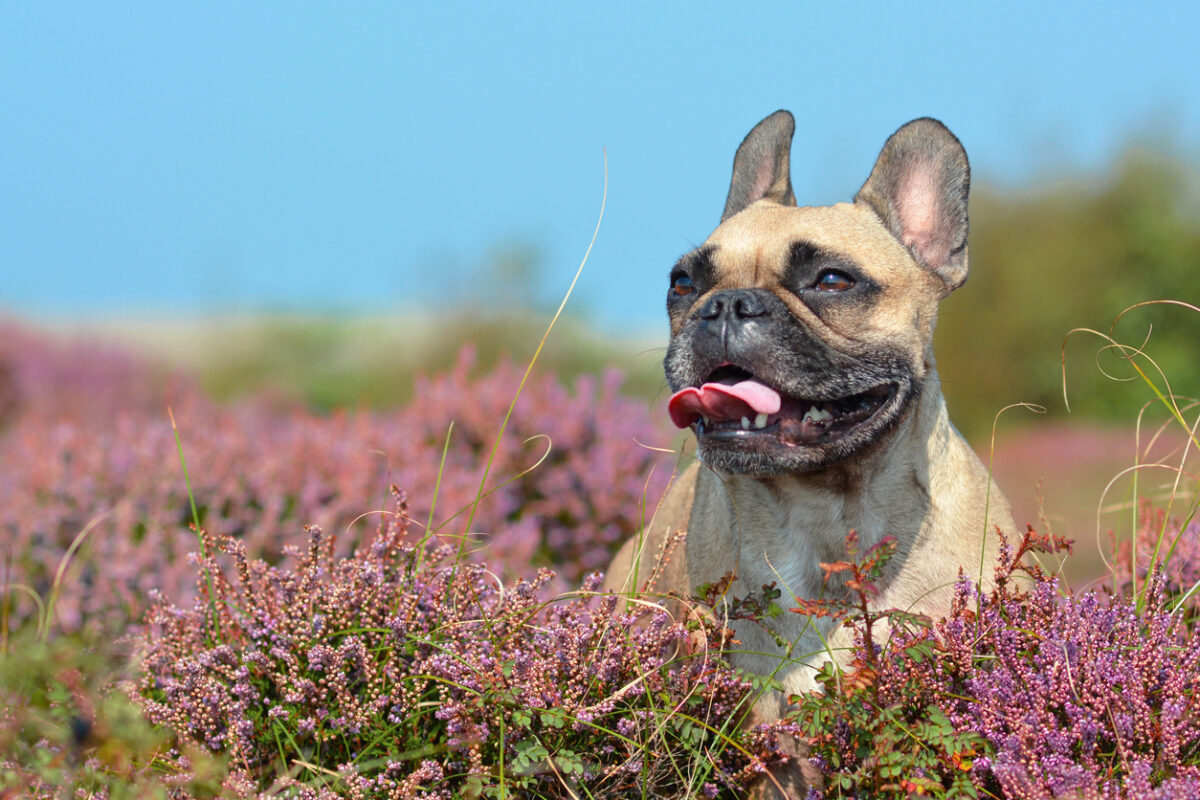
x=76 y=378
x=1089 y=696
x=399 y=671
x=411 y=653
x=1162 y=546
x=1024 y=691
x=90 y=474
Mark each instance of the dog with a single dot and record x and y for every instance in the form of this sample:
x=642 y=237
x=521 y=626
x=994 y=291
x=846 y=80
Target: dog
x=801 y=356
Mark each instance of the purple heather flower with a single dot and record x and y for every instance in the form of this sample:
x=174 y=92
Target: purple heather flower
x=92 y=435
x=469 y=659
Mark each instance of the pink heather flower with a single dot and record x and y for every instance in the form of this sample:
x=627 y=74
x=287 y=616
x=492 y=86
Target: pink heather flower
x=90 y=444
x=447 y=655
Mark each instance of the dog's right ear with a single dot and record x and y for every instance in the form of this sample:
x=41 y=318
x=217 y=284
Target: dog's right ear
x=760 y=168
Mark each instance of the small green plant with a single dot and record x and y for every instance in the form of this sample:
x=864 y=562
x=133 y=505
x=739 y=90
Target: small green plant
x=876 y=737
x=65 y=731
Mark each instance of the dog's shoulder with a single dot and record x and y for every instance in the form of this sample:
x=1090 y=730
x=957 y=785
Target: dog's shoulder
x=654 y=561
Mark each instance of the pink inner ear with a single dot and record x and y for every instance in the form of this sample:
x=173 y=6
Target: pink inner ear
x=762 y=180
x=916 y=205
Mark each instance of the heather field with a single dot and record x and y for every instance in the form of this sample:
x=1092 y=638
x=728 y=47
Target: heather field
x=247 y=598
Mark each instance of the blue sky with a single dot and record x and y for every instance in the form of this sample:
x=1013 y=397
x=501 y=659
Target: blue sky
x=172 y=158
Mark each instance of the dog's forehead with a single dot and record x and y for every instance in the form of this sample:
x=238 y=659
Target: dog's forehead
x=761 y=237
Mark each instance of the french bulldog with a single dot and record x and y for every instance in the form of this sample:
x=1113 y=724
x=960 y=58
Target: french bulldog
x=801 y=356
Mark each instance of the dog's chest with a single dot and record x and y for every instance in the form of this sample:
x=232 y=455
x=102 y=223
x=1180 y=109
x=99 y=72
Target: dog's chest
x=776 y=533
x=765 y=533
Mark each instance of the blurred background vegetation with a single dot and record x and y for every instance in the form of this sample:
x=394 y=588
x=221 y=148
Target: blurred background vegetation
x=1074 y=253
x=1071 y=253
x=1061 y=252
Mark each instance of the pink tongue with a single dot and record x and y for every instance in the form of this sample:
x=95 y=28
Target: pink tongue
x=723 y=402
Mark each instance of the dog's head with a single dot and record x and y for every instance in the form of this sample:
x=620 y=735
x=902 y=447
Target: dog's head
x=800 y=337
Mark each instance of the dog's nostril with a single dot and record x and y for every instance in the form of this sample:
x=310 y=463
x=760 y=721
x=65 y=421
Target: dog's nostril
x=745 y=304
x=712 y=309
x=749 y=306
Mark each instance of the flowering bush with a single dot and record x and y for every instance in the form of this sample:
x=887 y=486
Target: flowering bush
x=75 y=378
x=1161 y=545
x=1022 y=692
x=94 y=462
x=401 y=672
x=1082 y=696
x=386 y=660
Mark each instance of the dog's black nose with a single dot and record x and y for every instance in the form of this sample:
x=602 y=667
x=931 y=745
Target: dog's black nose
x=740 y=303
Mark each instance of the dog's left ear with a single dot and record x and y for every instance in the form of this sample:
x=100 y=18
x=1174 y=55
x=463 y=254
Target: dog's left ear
x=919 y=189
x=760 y=167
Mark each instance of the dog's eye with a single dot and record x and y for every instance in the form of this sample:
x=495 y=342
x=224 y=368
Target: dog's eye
x=682 y=285
x=833 y=281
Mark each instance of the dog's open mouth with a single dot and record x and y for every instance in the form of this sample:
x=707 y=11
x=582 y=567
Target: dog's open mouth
x=732 y=403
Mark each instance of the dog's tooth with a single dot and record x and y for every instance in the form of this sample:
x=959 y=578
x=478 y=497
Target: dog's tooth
x=817 y=414
x=760 y=421
x=745 y=423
